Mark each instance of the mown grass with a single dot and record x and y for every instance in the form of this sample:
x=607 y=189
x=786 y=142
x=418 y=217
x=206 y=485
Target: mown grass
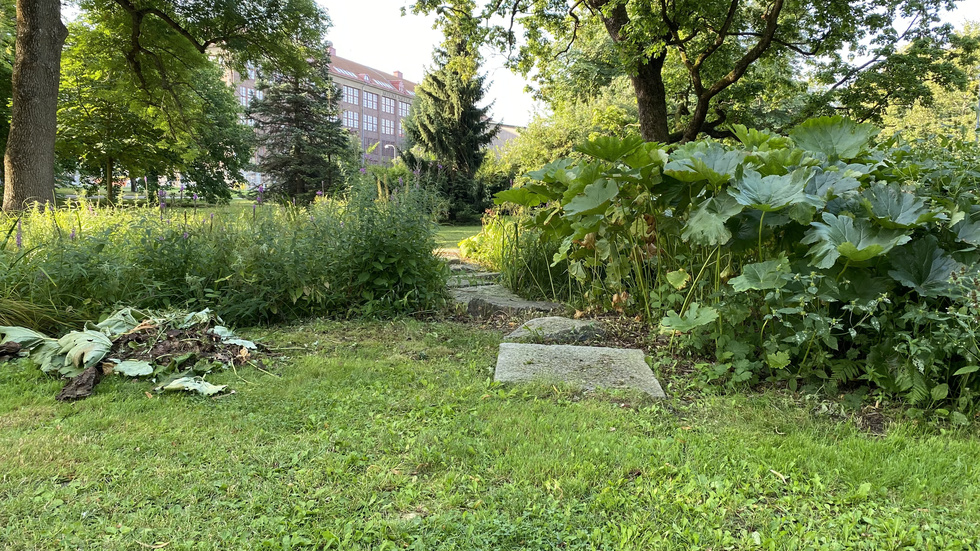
x=448 y=237
x=391 y=436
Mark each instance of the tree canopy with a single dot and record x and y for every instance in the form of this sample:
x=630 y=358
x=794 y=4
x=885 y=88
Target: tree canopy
x=695 y=51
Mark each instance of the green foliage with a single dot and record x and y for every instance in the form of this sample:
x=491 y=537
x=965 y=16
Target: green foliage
x=711 y=240
x=362 y=254
x=447 y=132
x=298 y=123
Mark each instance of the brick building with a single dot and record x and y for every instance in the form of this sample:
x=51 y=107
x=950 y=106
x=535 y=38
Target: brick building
x=373 y=105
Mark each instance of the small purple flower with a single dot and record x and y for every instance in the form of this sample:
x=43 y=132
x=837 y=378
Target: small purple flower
x=363 y=170
x=163 y=205
x=341 y=224
x=212 y=217
x=440 y=167
x=186 y=235
x=319 y=193
x=261 y=188
x=182 y=188
x=195 y=197
x=400 y=181
x=19 y=238
x=71 y=235
x=161 y=193
x=416 y=172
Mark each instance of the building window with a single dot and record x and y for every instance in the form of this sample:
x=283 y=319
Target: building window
x=352 y=95
x=388 y=105
x=401 y=129
x=252 y=74
x=370 y=100
x=251 y=94
x=351 y=119
x=259 y=94
x=387 y=127
x=370 y=122
x=403 y=109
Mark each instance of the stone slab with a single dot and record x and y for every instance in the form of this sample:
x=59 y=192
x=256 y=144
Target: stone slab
x=587 y=366
x=473 y=279
x=487 y=300
x=556 y=329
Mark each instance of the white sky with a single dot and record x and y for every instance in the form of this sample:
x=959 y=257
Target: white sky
x=374 y=33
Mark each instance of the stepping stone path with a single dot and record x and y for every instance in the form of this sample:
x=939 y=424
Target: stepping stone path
x=556 y=329
x=587 y=366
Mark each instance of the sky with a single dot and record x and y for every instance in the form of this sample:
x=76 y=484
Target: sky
x=374 y=33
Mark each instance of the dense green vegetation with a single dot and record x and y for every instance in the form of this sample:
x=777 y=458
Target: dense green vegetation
x=361 y=254
x=815 y=257
x=389 y=435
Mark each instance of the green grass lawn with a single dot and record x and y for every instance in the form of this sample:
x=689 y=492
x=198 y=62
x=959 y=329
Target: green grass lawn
x=449 y=237
x=389 y=435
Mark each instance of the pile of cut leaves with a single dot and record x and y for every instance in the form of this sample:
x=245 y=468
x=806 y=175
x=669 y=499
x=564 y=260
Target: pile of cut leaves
x=175 y=350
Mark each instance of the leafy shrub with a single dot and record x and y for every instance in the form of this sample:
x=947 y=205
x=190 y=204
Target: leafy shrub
x=369 y=253
x=854 y=262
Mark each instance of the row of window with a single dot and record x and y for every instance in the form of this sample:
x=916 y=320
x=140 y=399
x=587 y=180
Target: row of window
x=352 y=120
x=245 y=95
x=353 y=96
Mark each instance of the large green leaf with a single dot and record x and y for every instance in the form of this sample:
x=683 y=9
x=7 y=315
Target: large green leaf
x=48 y=357
x=759 y=139
x=695 y=317
x=835 y=137
x=698 y=161
x=762 y=275
x=609 y=148
x=83 y=349
x=892 y=208
x=134 y=368
x=119 y=322
x=968 y=229
x=828 y=184
x=594 y=198
x=521 y=196
x=772 y=193
x=923 y=266
x=548 y=172
x=706 y=225
x=856 y=240
x=26 y=338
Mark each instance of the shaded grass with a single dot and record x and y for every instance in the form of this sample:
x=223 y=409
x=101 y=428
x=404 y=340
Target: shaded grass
x=390 y=435
x=448 y=237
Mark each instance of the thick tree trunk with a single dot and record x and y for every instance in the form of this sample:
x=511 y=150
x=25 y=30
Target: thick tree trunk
x=29 y=159
x=651 y=99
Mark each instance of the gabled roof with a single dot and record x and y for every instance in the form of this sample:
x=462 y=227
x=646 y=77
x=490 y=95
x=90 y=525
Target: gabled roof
x=352 y=69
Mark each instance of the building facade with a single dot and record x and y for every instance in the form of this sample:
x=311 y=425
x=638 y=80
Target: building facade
x=373 y=105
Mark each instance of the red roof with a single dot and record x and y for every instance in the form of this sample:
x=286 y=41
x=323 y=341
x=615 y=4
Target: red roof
x=354 y=70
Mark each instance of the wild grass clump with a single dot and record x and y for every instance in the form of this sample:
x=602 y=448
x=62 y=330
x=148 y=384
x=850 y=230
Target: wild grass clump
x=368 y=253
x=523 y=256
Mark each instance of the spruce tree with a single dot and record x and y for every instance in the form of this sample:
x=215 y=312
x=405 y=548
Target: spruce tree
x=447 y=132
x=297 y=122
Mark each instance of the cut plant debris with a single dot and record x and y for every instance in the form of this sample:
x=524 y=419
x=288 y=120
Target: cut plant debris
x=176 y=350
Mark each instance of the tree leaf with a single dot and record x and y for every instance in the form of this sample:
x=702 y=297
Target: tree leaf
x=772 y=193
x=968 y=229
x=856 y=240
x=519 y=196
x=193 y=384
x=892 y=208
x=830 y=184
x=706 y=225
x=695 y=317
x=923 y=266
x=594 y=199
x=119 y=322
x=966 y=370
x=762 y=275
x=835 y=137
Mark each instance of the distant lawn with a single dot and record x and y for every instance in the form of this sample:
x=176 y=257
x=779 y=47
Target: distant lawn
x=449 y=237
x=391 y=436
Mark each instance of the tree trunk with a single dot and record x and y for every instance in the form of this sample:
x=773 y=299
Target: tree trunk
x=29 y=159
x=651 y=99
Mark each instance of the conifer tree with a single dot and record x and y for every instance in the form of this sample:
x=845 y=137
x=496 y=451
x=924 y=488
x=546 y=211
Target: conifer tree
x=447 y=131
x=297 y=122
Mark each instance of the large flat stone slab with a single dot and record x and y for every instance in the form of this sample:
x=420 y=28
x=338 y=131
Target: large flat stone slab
x=587 y=366
x=556 y=329
x=485 y=300
x=472 y=279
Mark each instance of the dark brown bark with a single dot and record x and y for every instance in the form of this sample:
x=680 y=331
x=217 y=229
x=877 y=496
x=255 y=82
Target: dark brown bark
x=29 y=158
x=648 y=82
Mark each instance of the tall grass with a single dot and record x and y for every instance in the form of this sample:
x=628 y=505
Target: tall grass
x=369 y=252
